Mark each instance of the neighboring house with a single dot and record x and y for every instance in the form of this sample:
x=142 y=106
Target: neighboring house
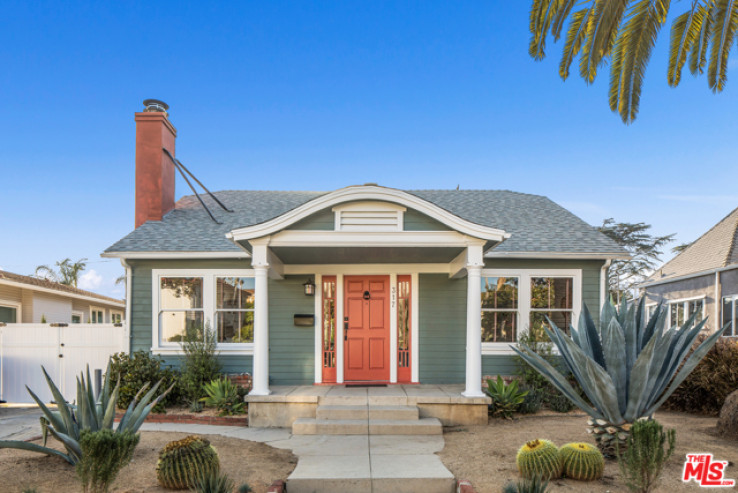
x=703 y=279
x=25 y=299
x=364 y=283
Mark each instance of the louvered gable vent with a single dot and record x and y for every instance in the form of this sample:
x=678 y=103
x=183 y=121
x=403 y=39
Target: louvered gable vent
x=369 y=216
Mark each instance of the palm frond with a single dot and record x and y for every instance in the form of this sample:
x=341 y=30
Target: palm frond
x=725 y=23
x=561 y=15
x=601 y=35
x=540 y=23
x=574 y=37
x=684 y=32
x=639 y=33
x=698 y=55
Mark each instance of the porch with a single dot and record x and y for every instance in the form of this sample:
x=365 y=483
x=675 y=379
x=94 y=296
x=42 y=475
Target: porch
x=288 y=403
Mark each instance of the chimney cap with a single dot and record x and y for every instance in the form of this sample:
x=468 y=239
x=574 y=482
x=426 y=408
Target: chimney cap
x=155 y=105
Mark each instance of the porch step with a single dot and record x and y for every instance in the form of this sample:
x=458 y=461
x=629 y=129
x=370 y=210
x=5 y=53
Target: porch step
x=367 y=412
x=310 y=426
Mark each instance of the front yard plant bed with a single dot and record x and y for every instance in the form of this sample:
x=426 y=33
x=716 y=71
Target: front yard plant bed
x=244 y=461
x=177 y=415
x=485 y=454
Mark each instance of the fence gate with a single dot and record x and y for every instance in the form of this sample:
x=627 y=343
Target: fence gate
x=63 y=351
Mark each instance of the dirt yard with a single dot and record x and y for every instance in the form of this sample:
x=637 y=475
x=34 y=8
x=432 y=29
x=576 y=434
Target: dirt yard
x=485 y=455
x=245 y=462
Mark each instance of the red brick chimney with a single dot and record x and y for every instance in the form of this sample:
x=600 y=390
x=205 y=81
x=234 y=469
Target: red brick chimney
x=154 y=169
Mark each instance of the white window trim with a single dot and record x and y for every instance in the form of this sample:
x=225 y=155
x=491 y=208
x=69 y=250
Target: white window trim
x=684 y=302
x=524 y=309
x=18 y=309
x=116 y=312
x=734 y=299
x=98 y=309
x=208 y=306
x=79 y=314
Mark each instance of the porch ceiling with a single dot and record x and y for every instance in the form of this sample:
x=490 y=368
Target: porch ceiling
x=366 y=255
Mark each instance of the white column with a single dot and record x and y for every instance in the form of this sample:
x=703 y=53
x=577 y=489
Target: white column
x=260 y=377
x=473 y=332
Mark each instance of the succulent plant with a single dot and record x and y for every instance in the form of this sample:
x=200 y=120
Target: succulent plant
x=532 y=485
x=506 y=398
x=214 y=483
x=539 y=458
x=183 y=463
x=627 y=367
x=67 y=422
x=582 y=461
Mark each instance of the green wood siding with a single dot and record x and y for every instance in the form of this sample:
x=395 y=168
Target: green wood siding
x=417 y=221
x=494 y=365
x=141 y=322
x=320 y=221
x=442 y=329
x=291 y=349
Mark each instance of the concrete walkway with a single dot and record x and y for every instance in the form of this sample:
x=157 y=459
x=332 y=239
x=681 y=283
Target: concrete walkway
x=339 y=463
x=19 y=422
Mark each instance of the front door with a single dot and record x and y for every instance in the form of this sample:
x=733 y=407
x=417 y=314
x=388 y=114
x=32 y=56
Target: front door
x=366 y=327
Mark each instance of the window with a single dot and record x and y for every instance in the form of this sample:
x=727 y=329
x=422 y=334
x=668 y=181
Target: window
x=681 y=310
x=650 y=310
x=234 y=309
x=8 y=314
x=116 y=317
x=97 y=315
x=77 y=317
x=187 y=301
x=518 y=300
x=499 y=309
x=551 y=297
x=730 y=315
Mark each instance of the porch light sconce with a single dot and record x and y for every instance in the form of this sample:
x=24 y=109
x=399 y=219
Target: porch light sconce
x=309 y=287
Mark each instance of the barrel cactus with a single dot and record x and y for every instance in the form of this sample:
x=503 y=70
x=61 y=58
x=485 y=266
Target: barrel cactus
x=183 y=462
x=539 y=458
x=582 y=461
x=627 y=367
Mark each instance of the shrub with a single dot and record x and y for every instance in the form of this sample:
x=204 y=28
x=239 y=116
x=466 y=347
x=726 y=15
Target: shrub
x=716 y=376
x=558 y=402
x=223 y=395
x=532 y=401
x=506 y=398
x=539 y=458
x=647 y=449
x=104 y=454
x=582 y=461
x=538 y=342
x=214 y=483
x=200 y=364
x=533 y=485
x=135 y=370
x=245 y=488
x=183 y=462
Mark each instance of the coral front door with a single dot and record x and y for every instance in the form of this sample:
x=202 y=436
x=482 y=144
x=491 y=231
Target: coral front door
x=366 y=328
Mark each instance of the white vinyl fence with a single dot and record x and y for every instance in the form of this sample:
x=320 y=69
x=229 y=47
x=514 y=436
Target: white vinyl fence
x=64 y=352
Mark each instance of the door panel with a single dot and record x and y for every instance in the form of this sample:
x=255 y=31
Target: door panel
x=367 y=336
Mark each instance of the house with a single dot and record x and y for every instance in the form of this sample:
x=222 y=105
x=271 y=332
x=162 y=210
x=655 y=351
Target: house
x=361 y=284
x=703 y=278
x=25 y=299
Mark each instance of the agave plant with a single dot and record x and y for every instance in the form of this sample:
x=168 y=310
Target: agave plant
x=627 y=367
x=67 y=422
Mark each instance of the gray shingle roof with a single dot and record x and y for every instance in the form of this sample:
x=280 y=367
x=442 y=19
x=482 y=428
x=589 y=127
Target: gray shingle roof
x=536 y=223
x=717 y=248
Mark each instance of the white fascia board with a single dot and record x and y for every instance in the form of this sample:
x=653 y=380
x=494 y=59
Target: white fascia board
x=174 y=255
x=372 y=193
x=703 y=273
x=372 y=239
x=558 y=255
x=56 y=292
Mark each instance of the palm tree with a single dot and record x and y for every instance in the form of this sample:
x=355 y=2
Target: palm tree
x=625 y=31
x=67 y=274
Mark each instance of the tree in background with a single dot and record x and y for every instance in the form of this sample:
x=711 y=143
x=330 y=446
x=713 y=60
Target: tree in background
x=622 y=34
x=680 y=248
x=645 y=250
x=68 y=272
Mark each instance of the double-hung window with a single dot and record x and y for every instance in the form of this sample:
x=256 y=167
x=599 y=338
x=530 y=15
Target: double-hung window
x=187 y=302
x=681 y=310
x=730 y=315
x=97 y=315
x=515 y=301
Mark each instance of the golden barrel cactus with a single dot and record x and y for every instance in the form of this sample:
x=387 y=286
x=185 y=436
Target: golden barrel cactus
x=582 y=461
x=183 y=462
x=539 y=458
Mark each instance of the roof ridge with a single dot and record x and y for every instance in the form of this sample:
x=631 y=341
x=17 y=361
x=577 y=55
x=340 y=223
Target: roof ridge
x=57 y=286
x=733 y=241
x=691 y=245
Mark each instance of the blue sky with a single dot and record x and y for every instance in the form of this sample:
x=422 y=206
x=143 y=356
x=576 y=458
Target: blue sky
x=320 y=95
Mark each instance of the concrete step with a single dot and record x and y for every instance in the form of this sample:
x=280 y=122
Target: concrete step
x=370 y=412
x=310 y=426
x=423 y=426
